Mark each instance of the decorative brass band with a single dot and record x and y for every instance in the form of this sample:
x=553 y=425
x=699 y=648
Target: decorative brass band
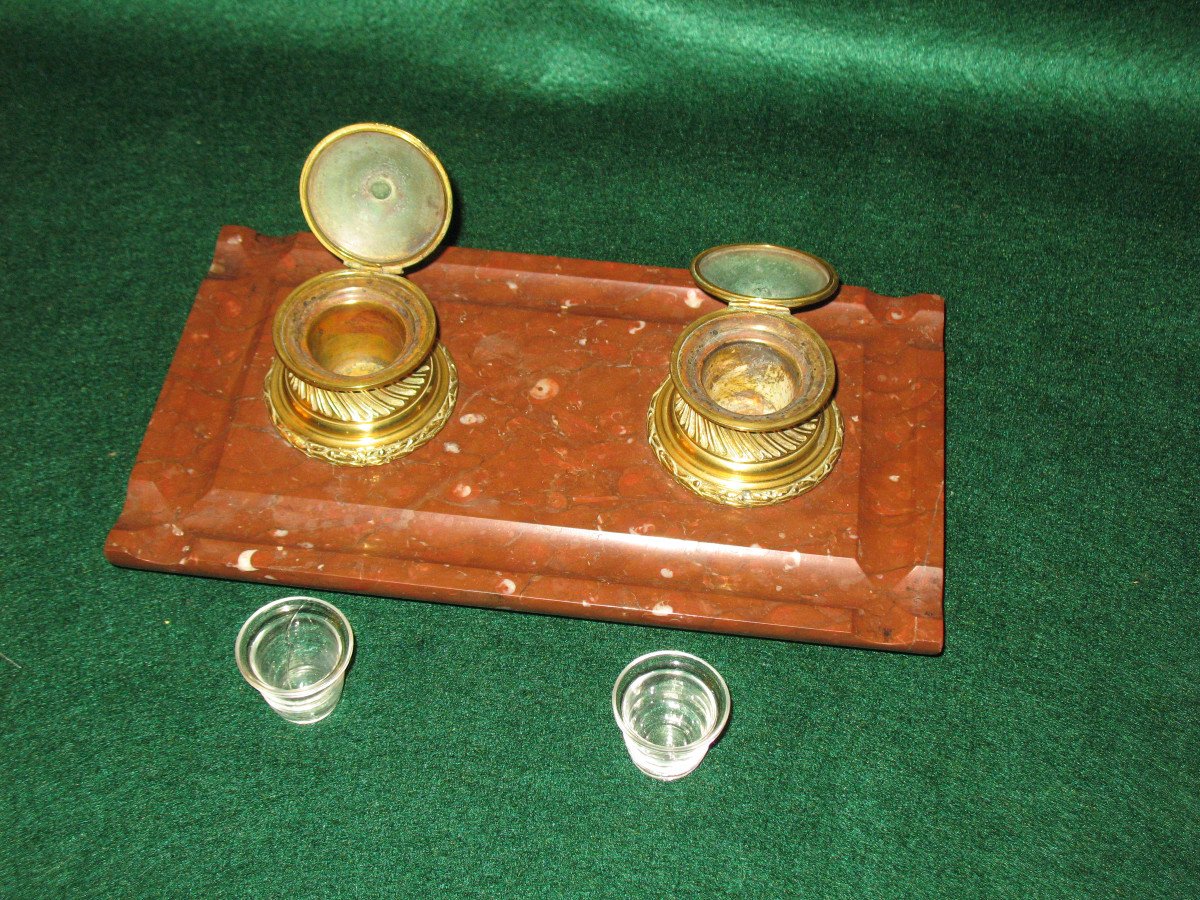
x=736 y=445
x=363 y=428
x=738 y=468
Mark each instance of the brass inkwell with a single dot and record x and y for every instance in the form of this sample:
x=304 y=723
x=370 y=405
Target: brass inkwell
x=359 y=377
x=746 y=418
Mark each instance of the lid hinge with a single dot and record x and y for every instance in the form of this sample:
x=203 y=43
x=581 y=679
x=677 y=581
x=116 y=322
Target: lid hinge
x=758 y=305
x=373 y=268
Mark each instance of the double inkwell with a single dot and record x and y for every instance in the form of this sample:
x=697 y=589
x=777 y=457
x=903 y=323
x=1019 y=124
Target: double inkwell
x=359 y=377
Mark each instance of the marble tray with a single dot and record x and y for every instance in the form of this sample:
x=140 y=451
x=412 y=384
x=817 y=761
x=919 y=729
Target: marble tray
x=542 y=494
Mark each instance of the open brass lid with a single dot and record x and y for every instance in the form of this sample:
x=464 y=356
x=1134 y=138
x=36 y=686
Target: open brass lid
x=764 y=276
x=375 y=196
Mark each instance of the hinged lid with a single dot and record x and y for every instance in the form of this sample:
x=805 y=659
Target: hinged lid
x=375 y=196
x=764 y=276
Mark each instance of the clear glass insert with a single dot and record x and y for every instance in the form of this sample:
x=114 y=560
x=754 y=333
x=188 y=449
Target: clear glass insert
x=670 y=707
x=295 y=651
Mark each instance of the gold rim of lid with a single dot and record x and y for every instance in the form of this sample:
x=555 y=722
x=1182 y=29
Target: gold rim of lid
x=764 y=275
x=368 y=191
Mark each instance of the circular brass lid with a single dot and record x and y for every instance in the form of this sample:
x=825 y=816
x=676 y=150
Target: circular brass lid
x=375 y=196
x=752 y=371
x=764 y=274
x=354 y=331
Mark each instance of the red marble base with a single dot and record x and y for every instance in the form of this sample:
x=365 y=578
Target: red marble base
x=542 y=494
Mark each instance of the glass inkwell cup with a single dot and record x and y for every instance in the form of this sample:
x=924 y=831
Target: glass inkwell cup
x=746 y=418
x=359 y=377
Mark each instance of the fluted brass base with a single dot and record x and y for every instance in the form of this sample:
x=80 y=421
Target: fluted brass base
x=740 y=468
x=363 y=428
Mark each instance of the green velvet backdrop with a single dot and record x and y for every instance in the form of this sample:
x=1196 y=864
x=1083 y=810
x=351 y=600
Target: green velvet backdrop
x=1034 y=163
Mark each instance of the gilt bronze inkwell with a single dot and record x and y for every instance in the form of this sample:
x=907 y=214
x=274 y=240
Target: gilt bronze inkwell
x=746 y=418
x=359 y=377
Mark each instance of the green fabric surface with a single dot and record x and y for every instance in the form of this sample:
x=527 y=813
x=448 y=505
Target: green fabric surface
x=1034 y=163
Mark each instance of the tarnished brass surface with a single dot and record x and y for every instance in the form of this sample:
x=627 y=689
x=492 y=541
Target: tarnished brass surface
x=746 y=418
x=359 y=378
